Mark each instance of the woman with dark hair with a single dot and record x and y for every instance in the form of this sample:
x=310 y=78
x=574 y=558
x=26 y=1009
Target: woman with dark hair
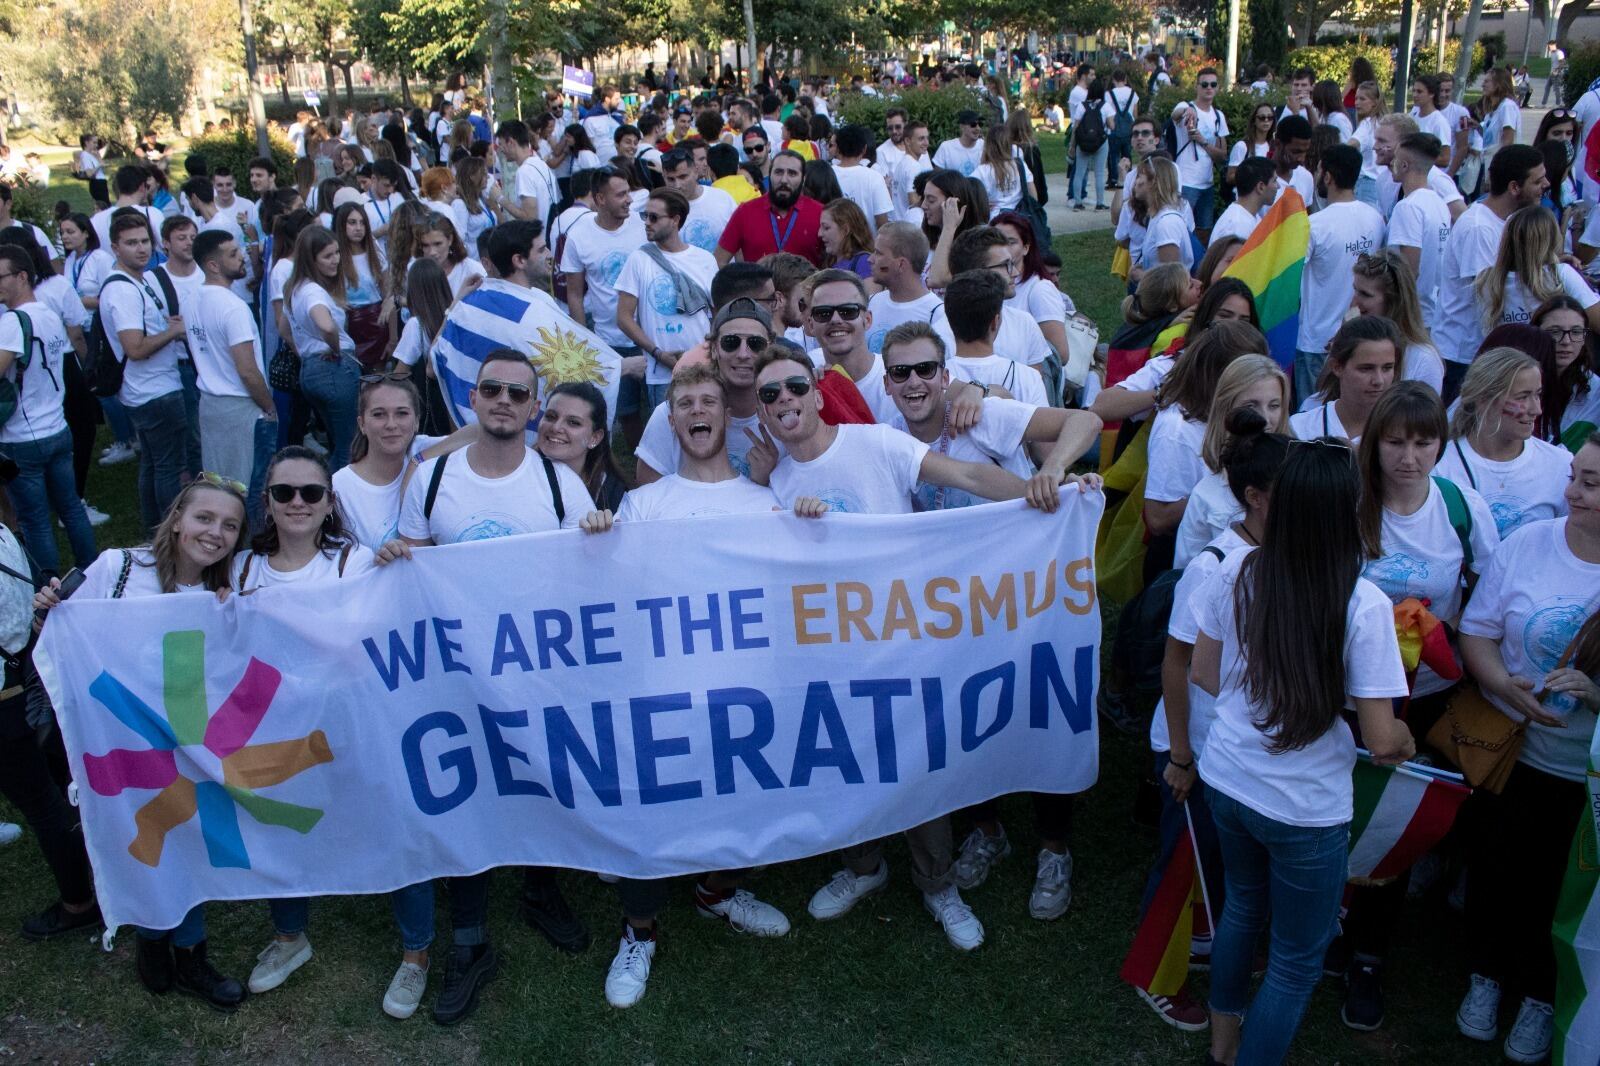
x=1361 y=72
x=361 y=265
x=1220 y=254
x=369 y=489
x=578 y=151
x=819 y=182
x=1257 y=139
x=1290 y=635
x=1330 y=106
x=1364 y=359
x=1224 y=300
x=1571 y=398
x=437 y=239
x=1563 y=191
x=314 y=303
x=949 y=209
x=1003 y=174
x=1036 y=292
x=427 y=298
x=574 y=430
x=87 y=264
x=396 y=137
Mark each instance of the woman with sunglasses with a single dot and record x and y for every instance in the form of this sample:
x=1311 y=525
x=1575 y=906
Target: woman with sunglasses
x=1571 y=397
x=192 y=550
x=1257 y=139
x=1290 y=634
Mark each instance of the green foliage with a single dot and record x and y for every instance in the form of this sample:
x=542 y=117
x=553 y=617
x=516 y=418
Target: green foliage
x=235 y=148
x=1452 y=51
x=34 y=203
x=937 y=107
x=1269 y=34
x=1583 y=67
x=1217 y=30
x=1332 y=62
x=1235 y=105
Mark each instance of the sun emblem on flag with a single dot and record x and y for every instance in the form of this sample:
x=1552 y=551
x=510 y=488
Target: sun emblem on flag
x=201 y=762
x=561 y=356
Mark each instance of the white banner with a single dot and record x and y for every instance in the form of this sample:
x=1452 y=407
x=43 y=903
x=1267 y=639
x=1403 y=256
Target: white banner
x=666 y=698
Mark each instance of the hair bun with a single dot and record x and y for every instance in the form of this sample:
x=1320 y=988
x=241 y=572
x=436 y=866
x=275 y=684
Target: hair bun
x=1245 y=422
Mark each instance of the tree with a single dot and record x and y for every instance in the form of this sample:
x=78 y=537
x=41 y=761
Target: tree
x=1269 y=34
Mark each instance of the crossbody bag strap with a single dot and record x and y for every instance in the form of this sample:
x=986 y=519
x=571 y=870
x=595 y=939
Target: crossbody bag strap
x=433 y=486
x=1471 y=478
x=122 y=575
x=555 y=488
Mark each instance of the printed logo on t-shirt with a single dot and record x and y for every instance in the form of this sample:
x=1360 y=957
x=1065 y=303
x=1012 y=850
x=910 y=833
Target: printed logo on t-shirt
x=700 y=233
x=663 y=295
x=610 y=268
x=875 y=339
x=1545 y=635
x=1360 y=246
x=1395 y=573
x=842 y=502
x=490 y=526
x=1509 y=512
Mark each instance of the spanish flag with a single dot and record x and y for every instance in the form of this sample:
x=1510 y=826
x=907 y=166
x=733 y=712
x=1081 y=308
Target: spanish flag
x=1271 y=262
x=1158 y=961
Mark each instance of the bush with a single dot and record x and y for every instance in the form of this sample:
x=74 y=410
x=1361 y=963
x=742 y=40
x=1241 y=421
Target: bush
x=1583 y=67
x=1332 y=62
x=34 y=203
x=1235 y=105
x=937 y=107
x=235 y=148
x=1452 y=52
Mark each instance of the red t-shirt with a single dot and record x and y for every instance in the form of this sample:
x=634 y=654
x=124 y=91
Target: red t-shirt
x=754 y=231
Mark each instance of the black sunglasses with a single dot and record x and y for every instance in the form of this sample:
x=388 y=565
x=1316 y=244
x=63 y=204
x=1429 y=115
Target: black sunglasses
x=730 y=342
x=825 y=312
x=1206 y=84
x=490 y=389
x=310 y=493
x=927 y=371
x=797 y=386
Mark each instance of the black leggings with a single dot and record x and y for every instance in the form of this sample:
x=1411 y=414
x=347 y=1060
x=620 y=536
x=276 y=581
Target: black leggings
x=26 y=780
x=1052 y=813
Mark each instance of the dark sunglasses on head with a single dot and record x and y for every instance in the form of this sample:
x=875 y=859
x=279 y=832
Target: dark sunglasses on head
x=490 y=389
x=825 y=312
x=730 y=342
x=375 y=378
x=310 y=493
x=797 y=386
x=927 y=371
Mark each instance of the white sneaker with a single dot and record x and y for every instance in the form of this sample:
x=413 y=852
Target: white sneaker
x=961 y=926
x=1476 y=1017
x=834 y=899
x=745 y=914
x=10 y=833
x=315 y=445
x=405 y=991
x=979 y=853
x=97 y=517
x=1530 y=1038
x=1052 y=886
x=630 y=971
x=118 y=452
x=277 y=961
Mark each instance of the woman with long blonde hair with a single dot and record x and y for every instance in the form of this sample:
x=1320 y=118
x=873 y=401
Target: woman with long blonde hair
x=1002 y=173
x=1169 y=236
x=480 y=196
x=1529 y=271
x=1386 y=286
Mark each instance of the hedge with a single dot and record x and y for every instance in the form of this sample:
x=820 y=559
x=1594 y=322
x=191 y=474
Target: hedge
x=937 y=107
x=1331 y=62
x=235 y=148
x=1235 y=105
x=1583 y=67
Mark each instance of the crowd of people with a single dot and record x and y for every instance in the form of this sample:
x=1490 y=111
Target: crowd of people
x=810 y=319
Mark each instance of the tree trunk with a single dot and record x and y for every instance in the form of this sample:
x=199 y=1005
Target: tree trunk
x=503 y=101
x=750 y=42
x=333 y=88
x=349 y=83
x=283 y=81
x=1468 y=35
x=405 y=88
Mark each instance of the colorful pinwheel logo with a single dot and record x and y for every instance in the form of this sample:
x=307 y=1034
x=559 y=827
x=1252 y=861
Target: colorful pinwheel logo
x=226 y=768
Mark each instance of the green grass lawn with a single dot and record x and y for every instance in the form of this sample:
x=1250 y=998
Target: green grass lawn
x=879 y=986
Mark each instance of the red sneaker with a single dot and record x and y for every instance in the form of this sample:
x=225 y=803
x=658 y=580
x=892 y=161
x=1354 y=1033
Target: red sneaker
x=1178 y=1010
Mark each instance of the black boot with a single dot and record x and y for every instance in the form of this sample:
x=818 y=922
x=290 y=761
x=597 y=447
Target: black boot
x=544 y=908
x=153 y=959
x=55 y=920
x=469 y=968
x=195 y=975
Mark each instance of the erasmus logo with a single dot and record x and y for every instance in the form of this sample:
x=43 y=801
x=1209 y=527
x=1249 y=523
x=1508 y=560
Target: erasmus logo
x=202 y=762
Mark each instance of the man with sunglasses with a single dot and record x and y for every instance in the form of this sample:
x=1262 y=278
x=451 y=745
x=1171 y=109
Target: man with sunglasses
x=838 y=319
x=892 y=150
x=495 y=487
x=1018 y=338
x=1202 y=144
x=785 y=220
x=709 y=207
x=1143 y=140
x=756 y=148
x=663 y=301
x=964 y=152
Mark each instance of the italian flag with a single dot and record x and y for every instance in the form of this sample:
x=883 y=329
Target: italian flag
x=1577 y=937
x=1400 y=813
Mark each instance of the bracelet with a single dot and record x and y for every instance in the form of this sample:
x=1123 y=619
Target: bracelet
x=1181 y=765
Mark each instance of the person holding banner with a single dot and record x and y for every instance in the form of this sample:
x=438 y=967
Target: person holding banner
x=192 y=549
x=1277 y=763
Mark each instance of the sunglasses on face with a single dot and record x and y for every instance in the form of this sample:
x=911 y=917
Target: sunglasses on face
x=797 y=386
x=927 y=371
x=651 y=216
x=490 y=389
x=1207 y=84
x=310 y=493
x=825 y=312
x=730 y=342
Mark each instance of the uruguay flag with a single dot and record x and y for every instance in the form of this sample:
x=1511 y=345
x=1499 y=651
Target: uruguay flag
x=498 y=314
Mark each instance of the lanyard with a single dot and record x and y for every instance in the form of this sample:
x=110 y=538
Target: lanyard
x=794 y=216
x=383 y=216
x=942 y=445
x=78 y=263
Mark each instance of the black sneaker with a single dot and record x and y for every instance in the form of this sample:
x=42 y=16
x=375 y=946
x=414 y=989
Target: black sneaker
x=545 y=909
x=194 y=975
x=1363 y=997
x=153 y=960
x=1337 y=959
x=56 y=919
x=469 y=968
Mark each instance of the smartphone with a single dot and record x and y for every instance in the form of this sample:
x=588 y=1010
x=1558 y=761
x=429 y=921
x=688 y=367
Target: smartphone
x=70 y=581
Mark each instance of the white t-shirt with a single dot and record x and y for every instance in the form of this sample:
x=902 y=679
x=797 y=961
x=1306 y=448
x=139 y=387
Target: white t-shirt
x=1301 y=181
x=1520 y=304
x=470 y=506
x=1009 y=197
x=1319 y=420
x=950 y=155
x=602 y=130
x=461 y=273
x=1436 y=123
x=678 y=497
x=1309 y=786
x=1340 y=233
x=865 y=186
x=324 y=566
x=1241 y=149
x=1473 y=247
x=1022 y=381
x=1422 y=363
x=999 y=438
x=39 y=412
x=1422 y=559
x=599 y=254
x=1195 y=168
x=1534 y=596
x=887 y=314
x=708 y=217
x=866 y=470
x=87 y=272
x=1365 y=136
x=660 y=450
x=100 y=577
x=57 y=293
x=1210 y=511
x=140 y=306
x=1235 y=221
x=308 y=339
x=657 y=312
x=1389 y=189
x=379 y=212
x=1526 y=489
x=372 y=512
x=534 y=178
x=902 y=179
x=1184 y=624
x=1041 y=300
x=1507 y=116
x=1340 y=121
x=1583 y=409
x=1422 y=221
x=1168 y=227
x=1175 y=466
x=217 y=320
x=1019 y=339
x=101 y=221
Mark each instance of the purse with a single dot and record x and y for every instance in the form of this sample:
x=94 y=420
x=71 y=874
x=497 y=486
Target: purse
x=371 y=336
x=283 y=373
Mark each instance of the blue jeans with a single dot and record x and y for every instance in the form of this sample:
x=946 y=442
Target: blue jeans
x=1174 y=833
x=117 y=419
x=330 y=387
x=161 y=428
x=1203 y=202
x=190 y=931
x=191 y=410
x=44 y=485
x=266 y=445
x=1096 y=162
x=413 y=913
x=1307 y=369
x=1298 y=874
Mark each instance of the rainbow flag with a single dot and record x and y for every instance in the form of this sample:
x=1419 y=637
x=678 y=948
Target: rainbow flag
x=1270 y=263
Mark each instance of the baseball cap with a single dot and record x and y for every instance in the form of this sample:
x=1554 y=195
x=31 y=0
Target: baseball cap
x=742 y=307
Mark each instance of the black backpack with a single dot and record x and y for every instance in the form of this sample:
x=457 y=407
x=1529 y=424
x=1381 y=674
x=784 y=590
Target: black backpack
x=1141 y=642
x=102 y=369
x=1090 y=132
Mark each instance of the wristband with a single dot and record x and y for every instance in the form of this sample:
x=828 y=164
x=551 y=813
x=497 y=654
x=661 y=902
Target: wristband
x=1181 y=765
